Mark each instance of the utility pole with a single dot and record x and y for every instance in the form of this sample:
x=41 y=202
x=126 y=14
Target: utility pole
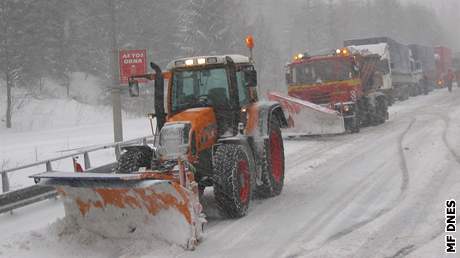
x=116 y=89
x=309 y=23
x=332 y=23
x=370 y=19
x=5 y=22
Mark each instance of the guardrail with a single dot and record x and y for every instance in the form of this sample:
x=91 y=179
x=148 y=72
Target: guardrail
x=10 y=200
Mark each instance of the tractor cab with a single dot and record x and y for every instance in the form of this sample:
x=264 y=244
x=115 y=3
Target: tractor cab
x=223 y=84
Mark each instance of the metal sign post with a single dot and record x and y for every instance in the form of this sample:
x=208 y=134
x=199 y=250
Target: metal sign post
x=116 y=91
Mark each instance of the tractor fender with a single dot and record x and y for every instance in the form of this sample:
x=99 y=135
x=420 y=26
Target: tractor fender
x=259 y=117
x=257 y=129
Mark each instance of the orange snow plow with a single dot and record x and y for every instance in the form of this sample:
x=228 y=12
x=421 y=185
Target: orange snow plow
x=135 y=205
x=306 y=118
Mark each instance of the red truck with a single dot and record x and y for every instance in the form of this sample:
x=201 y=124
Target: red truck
x=444 y=61
x=456 y=65
x=341 y=80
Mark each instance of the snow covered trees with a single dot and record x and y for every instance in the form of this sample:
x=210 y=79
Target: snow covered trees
x=211 y=27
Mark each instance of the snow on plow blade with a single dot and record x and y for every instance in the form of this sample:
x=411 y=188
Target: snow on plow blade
x=130 y=205
x=306 y=118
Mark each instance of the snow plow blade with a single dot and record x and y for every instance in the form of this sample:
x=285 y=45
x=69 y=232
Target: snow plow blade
x=306 y=118
x=138 y=205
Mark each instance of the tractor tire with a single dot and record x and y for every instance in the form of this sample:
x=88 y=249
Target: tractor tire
x=272 y=163
x=233 y=180
x=132 y=160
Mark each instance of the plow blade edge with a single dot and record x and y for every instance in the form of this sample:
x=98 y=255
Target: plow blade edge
x=130 y=206
x=306 y=118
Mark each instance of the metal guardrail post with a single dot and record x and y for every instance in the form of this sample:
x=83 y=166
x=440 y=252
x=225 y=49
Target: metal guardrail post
x=87 y=161
x=144 y=141
x=49 y=168
x=117 y=151
x=5 y=182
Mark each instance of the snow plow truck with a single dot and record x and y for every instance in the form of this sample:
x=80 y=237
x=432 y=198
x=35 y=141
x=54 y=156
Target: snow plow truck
x=334 y=92
x=213 y=132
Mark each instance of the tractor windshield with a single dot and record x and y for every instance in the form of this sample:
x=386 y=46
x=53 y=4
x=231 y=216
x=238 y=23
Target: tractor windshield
x=199 y=88
x=320 y=71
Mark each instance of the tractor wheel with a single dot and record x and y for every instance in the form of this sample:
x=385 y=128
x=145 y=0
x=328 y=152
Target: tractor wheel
x=232 y=180
x=132 y=160
x=272 y=163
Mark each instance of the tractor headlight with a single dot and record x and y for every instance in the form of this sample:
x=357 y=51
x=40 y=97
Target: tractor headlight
x=346 y=108
x=174 y=140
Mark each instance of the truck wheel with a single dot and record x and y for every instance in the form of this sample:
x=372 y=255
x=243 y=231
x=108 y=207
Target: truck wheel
x=353 y=125
x=356 y=125
x=382 y=111
x=132 y=160
x=272 y=163
x=232 y=180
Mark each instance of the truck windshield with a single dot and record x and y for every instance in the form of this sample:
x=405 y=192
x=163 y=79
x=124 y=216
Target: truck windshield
x=199 y=88
x=322 y=71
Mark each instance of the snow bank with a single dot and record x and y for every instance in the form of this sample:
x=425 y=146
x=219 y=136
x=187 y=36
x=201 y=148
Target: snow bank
x=50 y=127
x=66 y=239
x=48 y=106
x=53 y=113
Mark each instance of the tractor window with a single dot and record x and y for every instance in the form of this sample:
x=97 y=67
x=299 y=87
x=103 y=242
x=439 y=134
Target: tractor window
x=243 y=95
x=195 y=88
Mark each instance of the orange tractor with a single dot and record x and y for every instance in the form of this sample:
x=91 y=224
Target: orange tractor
x=214 y=132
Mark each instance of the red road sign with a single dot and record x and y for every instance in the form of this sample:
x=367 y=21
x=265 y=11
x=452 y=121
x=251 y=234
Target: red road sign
x=132 y=62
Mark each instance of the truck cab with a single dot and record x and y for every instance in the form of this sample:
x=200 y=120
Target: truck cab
x=341 y=80
x=325 y=80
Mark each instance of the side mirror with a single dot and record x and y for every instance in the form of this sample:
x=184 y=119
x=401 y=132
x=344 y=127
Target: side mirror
x=151 y=115
x=250 y=76
x=133 y=87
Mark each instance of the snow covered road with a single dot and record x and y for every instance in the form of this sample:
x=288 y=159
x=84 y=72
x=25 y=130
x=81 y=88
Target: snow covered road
x=379 y=193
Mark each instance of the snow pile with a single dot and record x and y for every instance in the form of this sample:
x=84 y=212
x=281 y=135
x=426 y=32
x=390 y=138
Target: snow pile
x=65 y=238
